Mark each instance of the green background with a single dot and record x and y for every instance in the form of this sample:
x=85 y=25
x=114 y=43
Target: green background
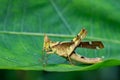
x=23 y=24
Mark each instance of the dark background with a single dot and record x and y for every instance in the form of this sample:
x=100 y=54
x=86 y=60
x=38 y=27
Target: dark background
x=110 y=73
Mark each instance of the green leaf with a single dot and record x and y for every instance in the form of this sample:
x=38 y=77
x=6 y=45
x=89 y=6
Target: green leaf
x=23 y=24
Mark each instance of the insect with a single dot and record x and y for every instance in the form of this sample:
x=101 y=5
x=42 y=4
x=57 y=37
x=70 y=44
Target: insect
x=67 y=49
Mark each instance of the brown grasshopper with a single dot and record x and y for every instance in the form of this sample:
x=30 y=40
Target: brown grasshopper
x=67 y=49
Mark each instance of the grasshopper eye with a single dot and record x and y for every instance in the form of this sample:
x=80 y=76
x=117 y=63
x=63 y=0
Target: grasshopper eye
x=48 y=49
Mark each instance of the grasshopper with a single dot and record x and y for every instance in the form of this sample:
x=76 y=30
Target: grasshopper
x=67 y=49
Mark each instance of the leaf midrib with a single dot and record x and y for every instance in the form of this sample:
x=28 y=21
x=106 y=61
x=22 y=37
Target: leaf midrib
x=56 y=35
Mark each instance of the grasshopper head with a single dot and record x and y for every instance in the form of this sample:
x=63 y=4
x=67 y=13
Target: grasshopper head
x=46 y=45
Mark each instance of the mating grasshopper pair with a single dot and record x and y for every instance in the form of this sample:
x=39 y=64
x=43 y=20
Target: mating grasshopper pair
x=67 y=49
